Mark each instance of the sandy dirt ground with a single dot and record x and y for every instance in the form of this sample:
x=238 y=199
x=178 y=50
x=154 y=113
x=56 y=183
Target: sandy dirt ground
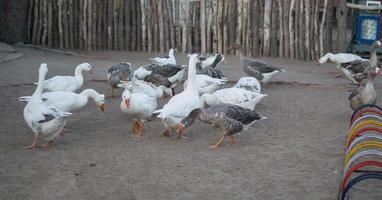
x=297 y=153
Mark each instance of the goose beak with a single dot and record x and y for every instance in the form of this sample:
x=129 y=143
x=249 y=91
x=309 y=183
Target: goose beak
x=102 y=107
x=127 y=103
x=180 y=128
x=378 y=70
x=91 y=71
x=223 y=60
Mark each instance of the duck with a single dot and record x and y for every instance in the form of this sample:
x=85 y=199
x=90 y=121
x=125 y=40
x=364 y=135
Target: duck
x=231 y=119
x=261 y=70
x=70 y=101
x=68 y=83
x=180 y=105
x=207 y=84
x=210 y=60
x=139 y=100
x=118 y=73
x=364 y=94
x=236 y=96
x=357 y=70
x=249 y=83
x=164 y=60
x=41 y=117
x=167 y=75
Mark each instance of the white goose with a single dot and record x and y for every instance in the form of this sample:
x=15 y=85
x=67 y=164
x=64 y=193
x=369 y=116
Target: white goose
x=44 y=119
x=207 y=84
x=180 y=105
x=163 y=60
x=236 y=96
x=70 y=101
x=68 y=83
x=140 y=101
x=339 y=58
x=249 y=83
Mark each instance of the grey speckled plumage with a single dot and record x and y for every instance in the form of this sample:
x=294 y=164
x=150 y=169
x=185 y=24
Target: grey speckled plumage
x=213 y=72
x=261 y=70
x=257 y=69
x=227 y=117
x=209 y=60
x=167 y=70
x=118 y=73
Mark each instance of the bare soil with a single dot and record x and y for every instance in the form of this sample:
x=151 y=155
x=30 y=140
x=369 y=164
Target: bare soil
x=297 y=153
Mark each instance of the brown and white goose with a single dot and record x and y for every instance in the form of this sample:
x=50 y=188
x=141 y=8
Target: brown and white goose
x=230 y=119
x=364 y=94
x=209 y=60
x=167 y=75
x=118 y=73
x=256 y=68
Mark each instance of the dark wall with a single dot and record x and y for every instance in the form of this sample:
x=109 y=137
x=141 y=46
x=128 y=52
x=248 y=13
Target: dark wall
x=13 y=17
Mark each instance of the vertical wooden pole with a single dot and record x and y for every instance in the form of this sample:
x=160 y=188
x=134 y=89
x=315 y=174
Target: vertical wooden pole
x=267 y=26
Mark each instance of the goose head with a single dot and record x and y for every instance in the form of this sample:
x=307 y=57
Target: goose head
x=100 y=101
x=189 y=120
x=85 y=67
x=325 y=58
x=220 y=58
x=172 y=52
x=376 y=44
x=126 y=98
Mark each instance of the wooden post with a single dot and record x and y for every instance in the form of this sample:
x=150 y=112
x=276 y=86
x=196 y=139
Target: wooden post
x=341 y=26
x=267 y=26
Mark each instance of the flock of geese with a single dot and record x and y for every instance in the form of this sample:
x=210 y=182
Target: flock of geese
x=230 y=109
x=361 y=72
x=204 y=97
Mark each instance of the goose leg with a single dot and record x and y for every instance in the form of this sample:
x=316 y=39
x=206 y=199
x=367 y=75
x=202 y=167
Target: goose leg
x=35 y=142
x=135 y=127
x=48 y=145
x=215 y=146
x=167 y=133
x=140 y=128
x=233 y=140
x=339 y=75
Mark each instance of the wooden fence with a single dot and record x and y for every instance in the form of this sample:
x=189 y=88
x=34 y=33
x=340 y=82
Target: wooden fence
x=299 y=29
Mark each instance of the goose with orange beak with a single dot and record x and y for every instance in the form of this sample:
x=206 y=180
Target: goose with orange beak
x=139 y=100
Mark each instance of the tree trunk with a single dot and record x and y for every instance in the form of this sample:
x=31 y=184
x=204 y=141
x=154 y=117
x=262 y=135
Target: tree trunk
x=238 y=22
x=341 y=26
x=161 y=28
x=143 y=16
x=110 y=24
x=307 y=30
x=281 y=28
x=267 y=27
x=60 y=35
x=44 y=23
x=203 y=26
x=273 y=33
x=328 y=33
x=291 y=30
